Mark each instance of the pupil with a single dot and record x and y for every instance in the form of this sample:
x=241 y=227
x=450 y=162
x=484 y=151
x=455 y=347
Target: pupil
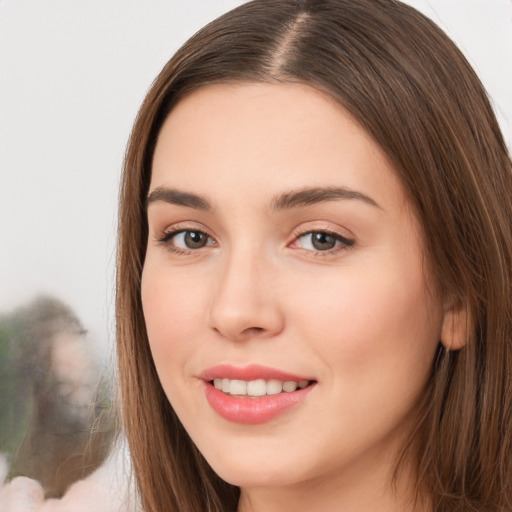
x=195 y=239
x=323 y=241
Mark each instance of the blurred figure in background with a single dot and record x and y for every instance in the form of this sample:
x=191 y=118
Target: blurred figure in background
x=56 y=424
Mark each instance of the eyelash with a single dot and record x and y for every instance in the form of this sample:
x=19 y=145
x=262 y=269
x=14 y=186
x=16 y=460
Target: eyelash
x=166 y=239
x=342 y=243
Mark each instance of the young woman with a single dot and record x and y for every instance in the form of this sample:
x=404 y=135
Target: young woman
x=314 y=270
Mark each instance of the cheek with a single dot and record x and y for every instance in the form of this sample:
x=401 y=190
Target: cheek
x=172 y=312
x=171 y=316
x=376 y=334
x=373 y=318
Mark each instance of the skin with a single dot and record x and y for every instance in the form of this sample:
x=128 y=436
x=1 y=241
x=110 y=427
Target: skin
x=363 y=320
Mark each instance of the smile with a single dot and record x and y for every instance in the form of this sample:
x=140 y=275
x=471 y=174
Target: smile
x=258 y=387
x=254 y=394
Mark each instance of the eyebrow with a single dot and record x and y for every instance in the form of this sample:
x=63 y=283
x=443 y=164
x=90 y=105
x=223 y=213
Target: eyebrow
x=179 y=198
x=287 y=201
x=309 y=196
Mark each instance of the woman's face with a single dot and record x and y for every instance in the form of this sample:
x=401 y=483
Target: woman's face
x=282 y=248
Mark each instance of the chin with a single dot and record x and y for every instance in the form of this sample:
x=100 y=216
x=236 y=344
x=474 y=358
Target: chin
x=254 y=472
x=255 y=477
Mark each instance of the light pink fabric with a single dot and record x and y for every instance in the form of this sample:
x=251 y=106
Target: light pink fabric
x=102 y=491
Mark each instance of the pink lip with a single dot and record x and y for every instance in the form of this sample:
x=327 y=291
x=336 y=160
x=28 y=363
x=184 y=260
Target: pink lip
x=251 y=372
x=251 y=411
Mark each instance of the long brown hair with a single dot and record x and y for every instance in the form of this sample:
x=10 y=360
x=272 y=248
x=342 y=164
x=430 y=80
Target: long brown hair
x=408 y=85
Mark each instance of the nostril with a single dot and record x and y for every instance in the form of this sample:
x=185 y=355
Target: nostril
x=253 y=331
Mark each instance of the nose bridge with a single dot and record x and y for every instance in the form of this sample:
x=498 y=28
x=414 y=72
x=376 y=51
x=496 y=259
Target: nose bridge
x=243 y=303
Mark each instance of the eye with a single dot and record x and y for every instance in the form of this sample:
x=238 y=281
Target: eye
x=323 y=241
x=186 y=240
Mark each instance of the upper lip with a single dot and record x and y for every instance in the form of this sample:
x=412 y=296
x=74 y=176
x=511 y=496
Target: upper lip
x=250 y=372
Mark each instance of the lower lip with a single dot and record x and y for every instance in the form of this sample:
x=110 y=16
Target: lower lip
x=252 y=411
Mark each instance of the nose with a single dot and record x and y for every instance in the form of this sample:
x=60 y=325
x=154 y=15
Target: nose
x=245 y=304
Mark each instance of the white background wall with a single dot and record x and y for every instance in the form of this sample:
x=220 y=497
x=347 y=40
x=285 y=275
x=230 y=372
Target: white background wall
x=72 y=75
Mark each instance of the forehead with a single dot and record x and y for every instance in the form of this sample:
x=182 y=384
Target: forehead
x=268 y=137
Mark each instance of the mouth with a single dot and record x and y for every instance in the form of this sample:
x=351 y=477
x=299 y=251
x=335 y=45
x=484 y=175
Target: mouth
x=254 y=394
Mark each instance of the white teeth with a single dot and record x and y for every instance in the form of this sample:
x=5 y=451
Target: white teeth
x=238 y=387
x=274 y=387
x=289 y=386
x=258 y=387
